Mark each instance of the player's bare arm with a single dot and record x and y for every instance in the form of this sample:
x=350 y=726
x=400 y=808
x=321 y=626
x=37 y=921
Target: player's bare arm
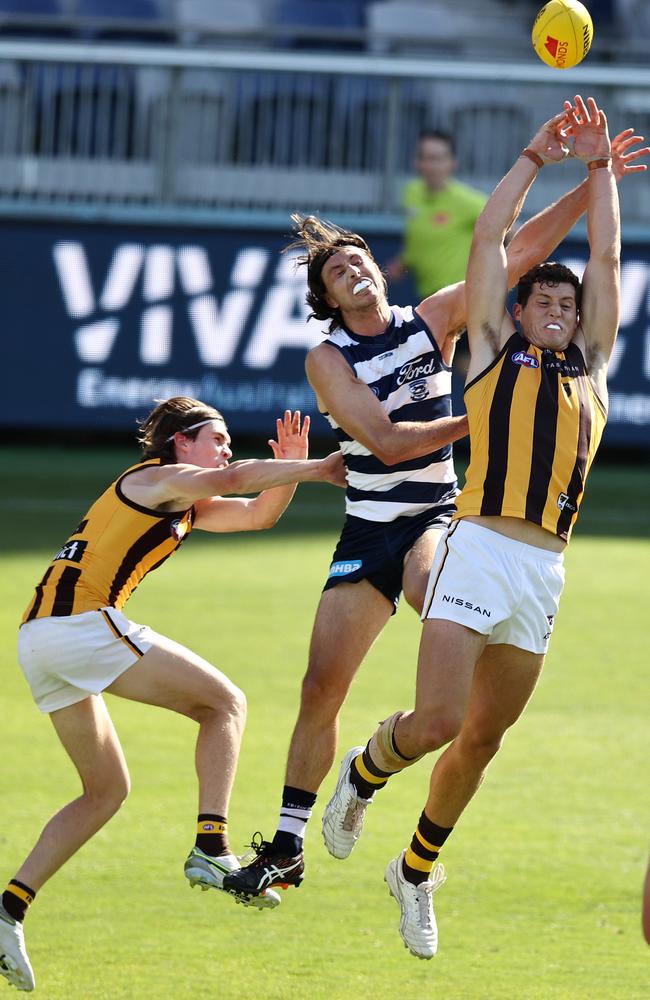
x=176 y=486
x=356 y=409
x=445 y=312
x=536 y=240
x=218 y=514
x=488 y=324
x=600 y=310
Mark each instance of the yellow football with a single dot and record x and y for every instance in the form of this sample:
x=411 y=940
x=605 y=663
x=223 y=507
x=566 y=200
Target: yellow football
x=562 y=33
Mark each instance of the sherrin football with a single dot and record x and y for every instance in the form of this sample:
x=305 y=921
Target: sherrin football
x=562 y=33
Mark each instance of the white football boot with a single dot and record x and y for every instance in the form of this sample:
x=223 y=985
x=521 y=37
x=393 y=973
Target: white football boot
x=208 y=872
x=14 y=962
x=417 y=926
x=343 y=816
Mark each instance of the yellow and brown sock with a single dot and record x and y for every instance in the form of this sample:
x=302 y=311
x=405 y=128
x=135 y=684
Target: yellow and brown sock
x=423 y=851
x=17 y=898
x=366 y=776
x=212 y=834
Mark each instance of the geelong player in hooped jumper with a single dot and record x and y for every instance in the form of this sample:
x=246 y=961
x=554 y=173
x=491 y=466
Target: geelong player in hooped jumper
x=536 y=398
x=383 y=380
x=75 y=642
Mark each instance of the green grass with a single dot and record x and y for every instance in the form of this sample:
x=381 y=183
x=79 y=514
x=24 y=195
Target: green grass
x=545 y=868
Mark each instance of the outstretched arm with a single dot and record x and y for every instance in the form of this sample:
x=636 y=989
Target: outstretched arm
x=263 y=511
x=487 y=271
x=445 y=312
x=536 y=240
x=600 y=310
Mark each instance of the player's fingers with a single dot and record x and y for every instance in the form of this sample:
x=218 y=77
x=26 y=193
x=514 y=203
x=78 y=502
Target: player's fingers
x=274 y=448
x=295 y=423
x=624 y=144
x=634 y=154
x=581 y=108
x=306 y=425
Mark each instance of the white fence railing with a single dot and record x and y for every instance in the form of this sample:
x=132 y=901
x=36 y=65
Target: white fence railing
x=257 y=131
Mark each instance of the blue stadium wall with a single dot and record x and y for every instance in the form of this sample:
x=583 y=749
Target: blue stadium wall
x=100 y=320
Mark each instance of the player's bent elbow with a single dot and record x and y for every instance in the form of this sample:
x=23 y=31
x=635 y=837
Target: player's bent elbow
x=262 y=522
x=388 y=451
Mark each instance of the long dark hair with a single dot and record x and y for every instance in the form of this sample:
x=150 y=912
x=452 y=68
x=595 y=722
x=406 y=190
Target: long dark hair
x=319 y=240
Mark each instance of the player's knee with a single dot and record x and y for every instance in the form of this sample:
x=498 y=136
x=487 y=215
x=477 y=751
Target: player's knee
x=227 y=705
x=481 y=746
x=322 y=695
x=435 y=730
x=108 y=792
x=415 y=592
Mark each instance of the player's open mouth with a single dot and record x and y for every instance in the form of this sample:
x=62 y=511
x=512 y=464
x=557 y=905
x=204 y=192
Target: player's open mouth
x=361 y=286
x=553 y=326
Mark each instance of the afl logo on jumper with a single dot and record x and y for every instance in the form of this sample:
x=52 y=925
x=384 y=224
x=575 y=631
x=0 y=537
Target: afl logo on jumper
x=526 y=360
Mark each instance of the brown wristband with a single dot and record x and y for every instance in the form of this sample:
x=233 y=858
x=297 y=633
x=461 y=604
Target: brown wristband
x=533 y=157
x=597 y=164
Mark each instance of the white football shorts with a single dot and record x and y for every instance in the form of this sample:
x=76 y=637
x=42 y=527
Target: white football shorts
x=505 y=589
x=67 y=659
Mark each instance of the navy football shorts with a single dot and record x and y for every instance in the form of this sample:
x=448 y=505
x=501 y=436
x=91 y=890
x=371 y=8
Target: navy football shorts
x=375 y=550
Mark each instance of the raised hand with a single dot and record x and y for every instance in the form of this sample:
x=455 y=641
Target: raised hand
x=550 y=140
x=623 y=154
x=587 y=126
x=293 y=440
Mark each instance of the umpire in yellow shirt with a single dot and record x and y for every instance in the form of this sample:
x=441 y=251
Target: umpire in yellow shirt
x=440 y=216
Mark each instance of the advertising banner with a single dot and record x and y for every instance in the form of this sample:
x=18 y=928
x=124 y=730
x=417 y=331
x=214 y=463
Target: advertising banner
x=99 y=321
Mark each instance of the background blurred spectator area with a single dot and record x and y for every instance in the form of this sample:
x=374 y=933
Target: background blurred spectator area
x=256 y=105
x=485 y=28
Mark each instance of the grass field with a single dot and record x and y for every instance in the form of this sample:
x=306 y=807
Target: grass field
x=544 y=871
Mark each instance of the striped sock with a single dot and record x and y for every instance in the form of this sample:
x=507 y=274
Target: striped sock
x=212 y=834
x=295 y=812
x=423 y=851
x=17 y=898
x=365 y=776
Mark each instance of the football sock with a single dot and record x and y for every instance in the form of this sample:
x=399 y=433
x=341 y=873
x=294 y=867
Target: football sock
x=365 y=777
x=16 y=899
x=423 y=851
x=380 y=759
x=212 y=834
x=295 y=812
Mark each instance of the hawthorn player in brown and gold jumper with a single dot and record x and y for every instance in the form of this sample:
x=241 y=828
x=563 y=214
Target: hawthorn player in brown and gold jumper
x=75 y=642
x=536 y=403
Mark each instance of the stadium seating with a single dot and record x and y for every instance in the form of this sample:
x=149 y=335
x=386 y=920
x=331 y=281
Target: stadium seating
x=444 y=27
x=124 y=20
x=34 y=19
x=321 y=24
x=226 y=22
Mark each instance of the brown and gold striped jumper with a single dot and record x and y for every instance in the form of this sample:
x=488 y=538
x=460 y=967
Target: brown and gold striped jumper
x=535 y=424
x=114 y=547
